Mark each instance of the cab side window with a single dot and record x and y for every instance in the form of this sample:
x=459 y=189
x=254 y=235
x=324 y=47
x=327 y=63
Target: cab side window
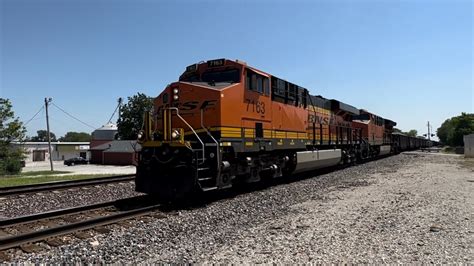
x=278 y=89
x=256 y=82
x=250 y=81
x=259 y=84
x=288 y=93
x=266 y=86
x=291 y=94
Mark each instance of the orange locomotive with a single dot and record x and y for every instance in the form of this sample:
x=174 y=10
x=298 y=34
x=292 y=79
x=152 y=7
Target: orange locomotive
x=225 y=122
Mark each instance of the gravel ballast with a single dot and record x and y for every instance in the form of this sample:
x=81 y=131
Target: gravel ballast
x=402 y=209
x=26 y=204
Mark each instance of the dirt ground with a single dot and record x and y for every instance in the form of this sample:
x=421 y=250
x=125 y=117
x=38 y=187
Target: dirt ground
x=423 y=212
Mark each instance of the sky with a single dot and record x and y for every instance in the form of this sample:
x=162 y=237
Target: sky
x=408 y=61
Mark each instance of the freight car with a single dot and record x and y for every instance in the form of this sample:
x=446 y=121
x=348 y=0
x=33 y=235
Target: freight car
x=403 y=142
x=225 y=122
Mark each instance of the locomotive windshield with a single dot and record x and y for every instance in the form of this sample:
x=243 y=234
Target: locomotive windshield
x=231 y=76
x=227 y=76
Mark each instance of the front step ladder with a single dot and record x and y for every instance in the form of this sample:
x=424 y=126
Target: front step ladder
x=202 y=176
x=206 y=181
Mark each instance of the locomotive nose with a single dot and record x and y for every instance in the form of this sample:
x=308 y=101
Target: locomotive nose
x=165 y=154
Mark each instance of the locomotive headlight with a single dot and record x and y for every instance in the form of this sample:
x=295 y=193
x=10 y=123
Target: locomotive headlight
x=140 y=135
x=175 y=91
x=175 y=134
x=175 y=97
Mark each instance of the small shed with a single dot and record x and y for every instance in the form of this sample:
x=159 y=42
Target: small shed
x=469 y=146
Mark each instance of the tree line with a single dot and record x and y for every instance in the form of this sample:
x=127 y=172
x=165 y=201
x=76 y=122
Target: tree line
x=452 y=131
x=42 y=136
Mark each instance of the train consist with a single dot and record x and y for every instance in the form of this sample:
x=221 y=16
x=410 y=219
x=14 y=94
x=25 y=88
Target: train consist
x=225 y=122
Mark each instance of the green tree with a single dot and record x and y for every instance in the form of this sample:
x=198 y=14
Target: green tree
x=11 y=129
x=452 y=130
x=42 y=136
x=76 y=137
x=412 y=133
x=131 y=116
x=463 y=125
x=443 y=131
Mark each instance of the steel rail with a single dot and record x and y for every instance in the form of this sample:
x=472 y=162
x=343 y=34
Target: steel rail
x=61 y=212
x=5 y=191
x=18 y=240
x=53 y=214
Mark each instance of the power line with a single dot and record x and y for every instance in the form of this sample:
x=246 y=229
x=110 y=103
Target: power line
x=65 y=122
x=77 y=119
x=36 y=119
x=42 y=107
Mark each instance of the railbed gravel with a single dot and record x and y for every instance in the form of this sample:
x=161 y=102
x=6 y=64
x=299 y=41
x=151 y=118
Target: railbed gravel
x=401 y=209
x=25 y=204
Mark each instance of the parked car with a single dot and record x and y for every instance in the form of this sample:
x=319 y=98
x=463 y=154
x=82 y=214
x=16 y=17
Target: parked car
x=77 y=160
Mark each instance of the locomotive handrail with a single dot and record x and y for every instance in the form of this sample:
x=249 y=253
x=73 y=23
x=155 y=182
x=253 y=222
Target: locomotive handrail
x=217 y=143
x=192 y=129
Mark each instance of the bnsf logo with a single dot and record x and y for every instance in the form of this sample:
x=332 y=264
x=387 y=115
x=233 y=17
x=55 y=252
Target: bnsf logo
x=327 y=121
x=191 y=105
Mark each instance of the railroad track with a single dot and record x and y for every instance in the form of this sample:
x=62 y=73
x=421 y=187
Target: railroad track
x=124 y=209
x=6 y=191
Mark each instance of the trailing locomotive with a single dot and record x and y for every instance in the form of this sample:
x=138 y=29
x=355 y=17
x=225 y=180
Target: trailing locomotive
x=225 y=122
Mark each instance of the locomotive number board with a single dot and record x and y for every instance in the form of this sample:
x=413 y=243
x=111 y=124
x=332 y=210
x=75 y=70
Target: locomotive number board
x=215 y=63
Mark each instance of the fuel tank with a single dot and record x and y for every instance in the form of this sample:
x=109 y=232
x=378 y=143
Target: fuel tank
x=311 y=160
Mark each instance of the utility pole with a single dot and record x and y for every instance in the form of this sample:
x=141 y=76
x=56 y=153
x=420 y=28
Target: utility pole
x=429 y=134
x=119 y=106
x=46 y=102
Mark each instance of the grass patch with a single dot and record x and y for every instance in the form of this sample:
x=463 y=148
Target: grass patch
x=38 y=179
x=44 y=173
x=448 y=150
x=453 y=150
x=36 y=173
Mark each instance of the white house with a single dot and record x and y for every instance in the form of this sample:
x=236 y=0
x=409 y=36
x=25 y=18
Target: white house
x=38 y=151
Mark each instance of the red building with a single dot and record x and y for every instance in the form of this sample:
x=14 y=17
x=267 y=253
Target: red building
x=106 y=149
